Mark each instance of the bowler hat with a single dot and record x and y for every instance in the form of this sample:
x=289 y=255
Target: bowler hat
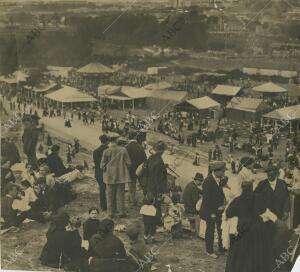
x=198 y=176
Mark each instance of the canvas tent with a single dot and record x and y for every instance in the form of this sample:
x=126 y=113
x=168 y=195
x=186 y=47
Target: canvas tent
x=269 y=88
x=201 y=103
x=226 y=90
x=163 y=85
x=95 y=68
x=122 y=93
x=153 y=98
x=287 y=115
x=245 y=108
x=70 y=95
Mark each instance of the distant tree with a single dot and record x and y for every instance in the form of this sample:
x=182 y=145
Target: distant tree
x=8 y=55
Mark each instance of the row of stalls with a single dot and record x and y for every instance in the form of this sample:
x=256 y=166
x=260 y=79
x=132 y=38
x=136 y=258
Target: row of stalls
x=133 y=97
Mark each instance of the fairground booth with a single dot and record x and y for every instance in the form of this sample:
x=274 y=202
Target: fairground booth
x=205 y=106
x=224 y=93
x=69 y=98
x=245 y=109
x=270 y=92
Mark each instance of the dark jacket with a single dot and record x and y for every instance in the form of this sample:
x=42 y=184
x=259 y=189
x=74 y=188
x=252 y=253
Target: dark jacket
x=9 y=150
x=213 y=198
x=243 y=208
x=30 y=139
x=137 y=156
x=97 y=157
x=277 y=201
x=53 y=252
x=56 y=165
x=9 y=215
x=156 y=175
x=190 y=197
x=110 y=254
x=90 y=227
x=7 y=176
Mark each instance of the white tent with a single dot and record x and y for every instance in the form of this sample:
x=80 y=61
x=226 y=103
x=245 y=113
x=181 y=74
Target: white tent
x=269 y=87
x=70 y=95
x=226 y=90
x=201 y=103
x=95 y=68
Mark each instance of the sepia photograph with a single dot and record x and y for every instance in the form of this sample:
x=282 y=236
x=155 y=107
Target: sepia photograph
x=158 y=135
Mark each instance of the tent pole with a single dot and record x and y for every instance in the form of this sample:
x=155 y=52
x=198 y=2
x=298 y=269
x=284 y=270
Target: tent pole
x=133 y=104
x=123 y=105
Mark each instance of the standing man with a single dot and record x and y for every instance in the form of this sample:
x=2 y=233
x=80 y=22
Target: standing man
x=137 y=156
x=156 y=176
x=213 y=206
x=272 y=204
x=30 y=139
x=97 y=156
x=115 y=165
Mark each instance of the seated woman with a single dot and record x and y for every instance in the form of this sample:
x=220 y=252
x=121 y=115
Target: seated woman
x=7 y=175
x=29 y=174
x=62 y=191
x=53 y=253
x=77 y=257
x=55 y=163
x=9 y=215
x=46 y=197
x=110 y=254
x=25 y=202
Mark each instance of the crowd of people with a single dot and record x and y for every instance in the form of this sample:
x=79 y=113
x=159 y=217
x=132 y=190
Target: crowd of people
x=249 y=215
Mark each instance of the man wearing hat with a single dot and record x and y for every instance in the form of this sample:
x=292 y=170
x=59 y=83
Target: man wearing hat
x=213 y=205
x=137 y=156
x=272 y=204
x=157 y=171
x=156 y=175
x=192 y=193
x=97 y=157
x=272 y=193
x=115 y=165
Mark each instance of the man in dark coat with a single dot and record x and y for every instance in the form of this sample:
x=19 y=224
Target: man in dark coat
x=271 y=199
x=213 y=205
x=137 y=156
x=55 y=162
x=192 y=193
x=156 y=171
x=97 y=157
x=30 y=139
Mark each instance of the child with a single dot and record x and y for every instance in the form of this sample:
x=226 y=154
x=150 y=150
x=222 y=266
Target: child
x=149 y=218
x=91 y=226
x=138 y=250
x=28 y=197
